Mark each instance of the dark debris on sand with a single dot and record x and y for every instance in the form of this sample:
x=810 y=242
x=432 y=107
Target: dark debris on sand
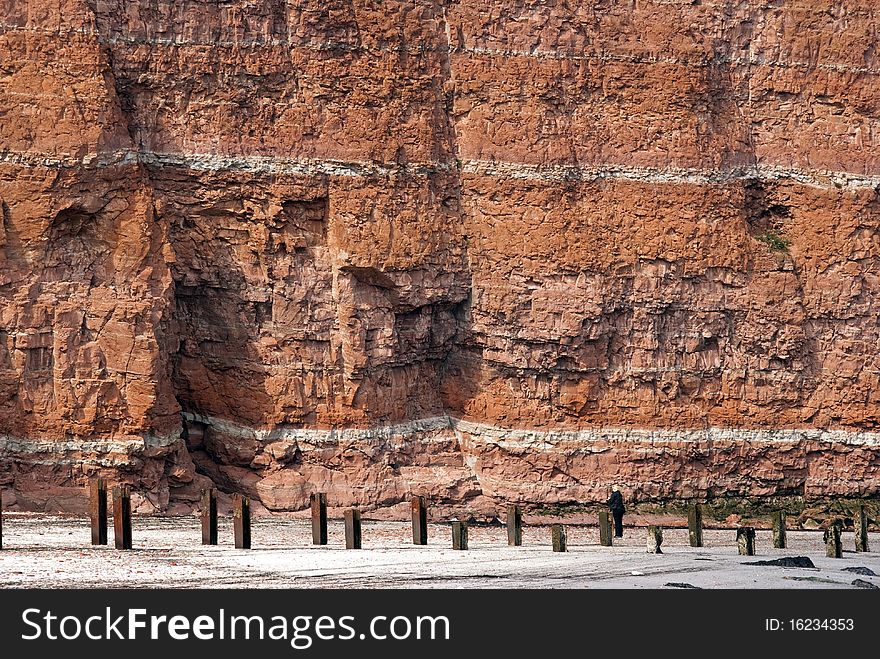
x=787 y=561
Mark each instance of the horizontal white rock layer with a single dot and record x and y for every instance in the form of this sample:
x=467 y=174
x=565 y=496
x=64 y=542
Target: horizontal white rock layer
x=494 y=168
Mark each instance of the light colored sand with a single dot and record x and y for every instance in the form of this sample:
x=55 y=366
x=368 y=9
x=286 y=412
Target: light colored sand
x=55 y=552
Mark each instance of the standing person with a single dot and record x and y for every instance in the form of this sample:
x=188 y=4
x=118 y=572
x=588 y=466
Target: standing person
x=615 y=503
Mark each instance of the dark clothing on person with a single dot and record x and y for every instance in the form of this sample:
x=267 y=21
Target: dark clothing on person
x=618 y=523
x=615 y=503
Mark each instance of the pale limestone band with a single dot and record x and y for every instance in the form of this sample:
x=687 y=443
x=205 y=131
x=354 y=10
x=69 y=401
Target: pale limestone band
x=90 y=451
x=432 y=429
x=537 y=438
x=498 y=169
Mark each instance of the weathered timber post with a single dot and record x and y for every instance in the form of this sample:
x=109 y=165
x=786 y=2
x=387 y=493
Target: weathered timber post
x=353 y=528
x=419 y=521
x=514 y=526
x=98 y=510
x=209 y=516
x=318 y=502
x=459 y=535
x=779 y=540
x=604 y=529
x=745 y=541
x=861 y=524
x=832 y=541
x=695 y=524
x=122 y=517
x=655 y=539
x=557 y=531
x=241 y=521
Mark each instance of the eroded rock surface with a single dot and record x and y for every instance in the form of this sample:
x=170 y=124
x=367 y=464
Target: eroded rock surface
x=485 y=251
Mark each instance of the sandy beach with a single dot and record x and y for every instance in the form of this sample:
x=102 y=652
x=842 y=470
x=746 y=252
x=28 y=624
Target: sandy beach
x=41 y=551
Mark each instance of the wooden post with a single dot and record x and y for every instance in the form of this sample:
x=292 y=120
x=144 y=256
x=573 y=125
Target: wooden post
x=514 y=526
x=1 y=519
x=319 y=518
x=604 y=528
x=122 y=517
x=209 y=516
x=241 y=521
x=353 y=529
x=695 y=524
x=861 y=524
x=459 y=535
x=419 y=521
x=557 y=532
x=655 y=539
x=832 y=541
x=745 y=541
x=779 y=540
x=98 y=510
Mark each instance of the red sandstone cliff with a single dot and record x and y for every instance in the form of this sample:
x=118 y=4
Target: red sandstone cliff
x=486 y=250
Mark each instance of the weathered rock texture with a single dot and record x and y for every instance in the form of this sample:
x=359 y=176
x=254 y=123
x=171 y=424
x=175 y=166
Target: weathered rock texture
x=483 y=250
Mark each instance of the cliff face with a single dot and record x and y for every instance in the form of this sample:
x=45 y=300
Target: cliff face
x=484 y=250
